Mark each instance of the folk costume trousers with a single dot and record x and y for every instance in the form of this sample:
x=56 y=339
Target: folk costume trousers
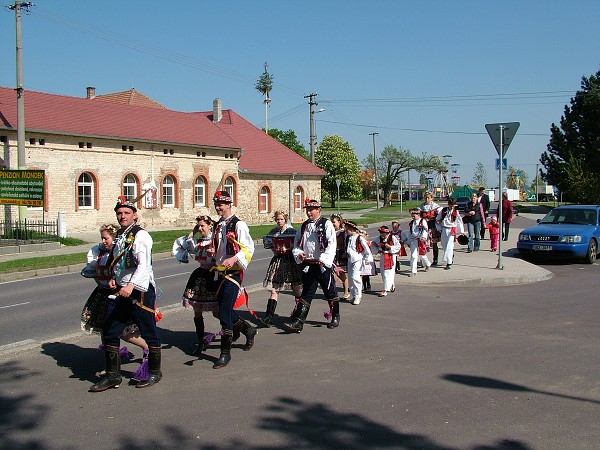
x=226 y=297
x=355 y=286
x=415 y=257
x=317 y=275
x=126 y=309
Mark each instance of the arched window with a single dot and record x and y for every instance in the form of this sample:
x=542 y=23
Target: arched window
x=199 y=192
x=263 y=200
x=229 y=186
x=85 y=191
x=130 y=187
x=168 y=192
x=298 y=198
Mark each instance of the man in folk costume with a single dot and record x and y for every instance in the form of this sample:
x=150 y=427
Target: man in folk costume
x=387 y=246
x=417 y=235
x=233 y=248
x=449 y=222
x=133 y=279
x=314 y=248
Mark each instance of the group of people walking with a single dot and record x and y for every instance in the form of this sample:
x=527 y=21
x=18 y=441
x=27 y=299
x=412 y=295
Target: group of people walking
x=123 y=304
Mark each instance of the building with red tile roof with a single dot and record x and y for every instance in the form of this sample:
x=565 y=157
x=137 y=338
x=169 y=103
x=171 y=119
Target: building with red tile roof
x=98 y=147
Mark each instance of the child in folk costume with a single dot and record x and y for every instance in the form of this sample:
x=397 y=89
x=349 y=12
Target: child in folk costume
x=494 y=227
x=396 y=231
x=283 y=272
x=340 y=260
x=449 y=223
x=429 y=211
x=417 y=236
x=358 y=253
x=369 y=267
x=200 y=290
x=387 y=246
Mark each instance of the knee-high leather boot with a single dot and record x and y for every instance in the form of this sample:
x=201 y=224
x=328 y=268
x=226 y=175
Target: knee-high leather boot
x=335 y=313
x=299 y=317
x=225 y=356
x=247 y=330
x=199 y=325
x=271 y=306
x=113 y=378
x=154 y=357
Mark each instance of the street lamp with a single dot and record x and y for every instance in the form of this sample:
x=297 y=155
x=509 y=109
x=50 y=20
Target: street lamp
x=375 y=168
x=338 y=181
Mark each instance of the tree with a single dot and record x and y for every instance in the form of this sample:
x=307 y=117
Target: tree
x=336 y=157
x=479 y=176
x=393 y=162
x=572 y=159
x=290 y=140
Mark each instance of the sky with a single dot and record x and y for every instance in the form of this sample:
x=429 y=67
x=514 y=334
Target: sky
x=425 y=75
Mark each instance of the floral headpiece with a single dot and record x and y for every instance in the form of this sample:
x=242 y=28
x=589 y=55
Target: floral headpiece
x=311 y=203
x=222 y=197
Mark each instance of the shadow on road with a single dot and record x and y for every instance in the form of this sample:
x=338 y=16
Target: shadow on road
x=491 y=383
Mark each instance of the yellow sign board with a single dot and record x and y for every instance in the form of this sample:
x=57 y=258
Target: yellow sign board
x=22 y=187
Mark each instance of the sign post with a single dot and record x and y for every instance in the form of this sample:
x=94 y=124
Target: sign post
x=501 y=135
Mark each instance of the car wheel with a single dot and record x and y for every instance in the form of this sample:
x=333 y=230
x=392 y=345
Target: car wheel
x=592 y=252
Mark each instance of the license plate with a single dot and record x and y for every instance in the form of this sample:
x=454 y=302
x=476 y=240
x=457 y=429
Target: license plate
x=544 y=248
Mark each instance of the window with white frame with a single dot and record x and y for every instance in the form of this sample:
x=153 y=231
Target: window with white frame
x=130 y=187
x=298 y=198
x=229 y=186
x=199 y=192
x=263 y=200
x=85 y=191
x=168 y=192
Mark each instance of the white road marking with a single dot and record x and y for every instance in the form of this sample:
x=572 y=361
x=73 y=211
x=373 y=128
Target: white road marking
x=16 y=304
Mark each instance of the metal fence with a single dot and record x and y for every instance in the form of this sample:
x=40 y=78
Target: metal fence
x=27 y=231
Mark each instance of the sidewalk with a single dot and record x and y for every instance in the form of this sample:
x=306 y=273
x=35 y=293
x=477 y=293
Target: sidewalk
x=468 y=268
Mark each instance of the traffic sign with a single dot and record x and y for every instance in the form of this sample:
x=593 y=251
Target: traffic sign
x=502 y=135
x=504 y=163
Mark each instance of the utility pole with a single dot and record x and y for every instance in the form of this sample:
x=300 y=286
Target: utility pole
x=375 y=168
x=312 y=104
x=20 y=99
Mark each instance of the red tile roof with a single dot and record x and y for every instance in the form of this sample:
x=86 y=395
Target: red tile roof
x=111 y=117
x=262 y=153
x=130 y=97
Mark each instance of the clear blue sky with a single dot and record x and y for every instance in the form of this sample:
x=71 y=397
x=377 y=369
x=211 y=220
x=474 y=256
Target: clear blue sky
x=425 y=75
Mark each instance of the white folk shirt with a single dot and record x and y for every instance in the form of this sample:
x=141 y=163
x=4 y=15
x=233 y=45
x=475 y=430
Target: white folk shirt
x=243 y=237
x=140 y=274
x=311 y=247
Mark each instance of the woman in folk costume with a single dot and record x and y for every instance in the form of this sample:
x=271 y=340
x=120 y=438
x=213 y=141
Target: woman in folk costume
x=283 y=272
x=429 y=211
x=450 y=224
x=396 y=231
x=100 y=260
x=200 y=290
x=417 y=236
x=369 y=268
x=340 y=260
x=387 y=246
x=358 y=254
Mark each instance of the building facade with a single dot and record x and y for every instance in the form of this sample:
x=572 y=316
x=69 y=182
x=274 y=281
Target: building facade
x=96 y=148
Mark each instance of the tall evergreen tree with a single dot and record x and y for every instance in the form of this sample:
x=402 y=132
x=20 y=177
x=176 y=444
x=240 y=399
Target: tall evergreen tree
x=572 y=159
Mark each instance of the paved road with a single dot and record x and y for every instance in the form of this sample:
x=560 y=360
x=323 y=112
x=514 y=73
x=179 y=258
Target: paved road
x=504 y=367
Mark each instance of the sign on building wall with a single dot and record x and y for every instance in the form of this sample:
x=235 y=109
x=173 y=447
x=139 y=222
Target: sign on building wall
x=22 y=187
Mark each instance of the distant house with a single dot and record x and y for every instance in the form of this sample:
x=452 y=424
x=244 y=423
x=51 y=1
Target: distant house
x=96 y=148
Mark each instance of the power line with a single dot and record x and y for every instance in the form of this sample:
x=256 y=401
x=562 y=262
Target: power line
x=420 y=130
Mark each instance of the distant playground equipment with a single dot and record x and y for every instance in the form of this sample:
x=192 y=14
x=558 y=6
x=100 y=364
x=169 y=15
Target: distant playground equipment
x=438 y=181
x=513 y=180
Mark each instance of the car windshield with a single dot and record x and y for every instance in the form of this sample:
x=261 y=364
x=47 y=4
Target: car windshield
x=572 y=216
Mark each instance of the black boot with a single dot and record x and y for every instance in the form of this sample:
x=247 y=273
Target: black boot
x=225 y=356
x=113 y=378
x=299 y=317
x=154 y=357
x=247 y=330
x=271 y=306
x=199 y=324
x=335 y=313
